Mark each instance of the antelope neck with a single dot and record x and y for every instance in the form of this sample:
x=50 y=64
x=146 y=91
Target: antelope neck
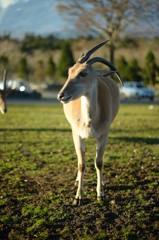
x=89 y=104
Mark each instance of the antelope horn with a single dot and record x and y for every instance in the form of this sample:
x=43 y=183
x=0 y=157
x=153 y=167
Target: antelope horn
x=4 y=79
x=104 y=61
x=83 y=58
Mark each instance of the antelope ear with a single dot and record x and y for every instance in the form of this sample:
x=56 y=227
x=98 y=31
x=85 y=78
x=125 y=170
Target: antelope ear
x=109 y=73
x=105 y=73
x=107 y=63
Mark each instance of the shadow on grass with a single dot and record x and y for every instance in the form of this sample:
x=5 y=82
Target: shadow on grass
x=137 y=139
x=35 y=130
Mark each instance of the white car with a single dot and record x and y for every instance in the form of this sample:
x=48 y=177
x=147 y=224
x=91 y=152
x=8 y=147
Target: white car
x=19 y=85
x=20 y=89
x=136 y=90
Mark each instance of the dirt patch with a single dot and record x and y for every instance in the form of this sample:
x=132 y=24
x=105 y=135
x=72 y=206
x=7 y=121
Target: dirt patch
x=41 y=207
x=38 y=167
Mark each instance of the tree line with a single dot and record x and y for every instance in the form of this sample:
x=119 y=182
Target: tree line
x=43 y=70
x=130 y=71
x=32 y=42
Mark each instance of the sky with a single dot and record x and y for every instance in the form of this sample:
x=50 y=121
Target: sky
x=18 y=17
x=5 y=3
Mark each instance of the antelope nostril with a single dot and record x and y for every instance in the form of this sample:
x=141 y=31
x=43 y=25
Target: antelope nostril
x=61 y=95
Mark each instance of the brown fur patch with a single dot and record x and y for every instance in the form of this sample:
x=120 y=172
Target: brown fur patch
x=81 y=167
x=99 y=165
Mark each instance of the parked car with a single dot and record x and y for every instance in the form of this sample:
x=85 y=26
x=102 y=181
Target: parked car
x=136 y=90
x=20 y=89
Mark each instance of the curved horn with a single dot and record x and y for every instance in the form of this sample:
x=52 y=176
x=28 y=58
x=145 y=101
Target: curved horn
x=104 y=61
x=4 y=79
x=83 y=58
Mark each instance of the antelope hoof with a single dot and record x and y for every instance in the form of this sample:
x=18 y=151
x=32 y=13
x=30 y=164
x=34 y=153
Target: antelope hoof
x=101 y=198
x=78 y=202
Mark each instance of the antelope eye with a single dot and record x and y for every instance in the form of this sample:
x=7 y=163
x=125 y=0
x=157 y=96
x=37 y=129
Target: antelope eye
x=83 y=74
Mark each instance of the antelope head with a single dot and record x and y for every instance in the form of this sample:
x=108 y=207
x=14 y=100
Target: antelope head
x=81 y=76
x=3 y=94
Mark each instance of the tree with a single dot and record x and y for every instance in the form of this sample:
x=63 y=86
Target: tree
x=50 y=68
x=66 y=60
x=23 y=68
x=109 y=18
x=39 y=74
x=150 y=70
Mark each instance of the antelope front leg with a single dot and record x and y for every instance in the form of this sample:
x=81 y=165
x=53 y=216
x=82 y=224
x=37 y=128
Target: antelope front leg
x=101 y=143
x=79 y=146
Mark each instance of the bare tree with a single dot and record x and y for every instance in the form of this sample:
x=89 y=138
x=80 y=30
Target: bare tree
x=109 y=18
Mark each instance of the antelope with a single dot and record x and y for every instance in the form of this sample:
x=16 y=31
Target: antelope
x=90 y=100
x=3 y=94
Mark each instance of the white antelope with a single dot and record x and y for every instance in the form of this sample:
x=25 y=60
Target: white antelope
x=91 y=102
x=3 y=94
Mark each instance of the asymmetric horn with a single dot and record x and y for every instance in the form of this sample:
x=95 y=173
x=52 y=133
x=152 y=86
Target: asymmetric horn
x=83 y=58
x=107 y=63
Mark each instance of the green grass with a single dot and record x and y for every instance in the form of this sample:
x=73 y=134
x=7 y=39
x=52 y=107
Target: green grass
x=39 y=164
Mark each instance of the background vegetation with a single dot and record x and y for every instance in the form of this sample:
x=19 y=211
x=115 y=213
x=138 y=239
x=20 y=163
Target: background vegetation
x=37 y=58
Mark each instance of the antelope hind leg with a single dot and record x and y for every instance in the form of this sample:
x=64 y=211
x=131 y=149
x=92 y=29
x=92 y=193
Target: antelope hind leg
x=101 y=144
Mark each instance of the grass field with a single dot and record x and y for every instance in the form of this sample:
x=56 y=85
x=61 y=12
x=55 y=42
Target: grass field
x=38 y=166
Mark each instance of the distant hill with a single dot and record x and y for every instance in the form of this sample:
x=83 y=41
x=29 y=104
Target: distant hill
x=37 y=16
